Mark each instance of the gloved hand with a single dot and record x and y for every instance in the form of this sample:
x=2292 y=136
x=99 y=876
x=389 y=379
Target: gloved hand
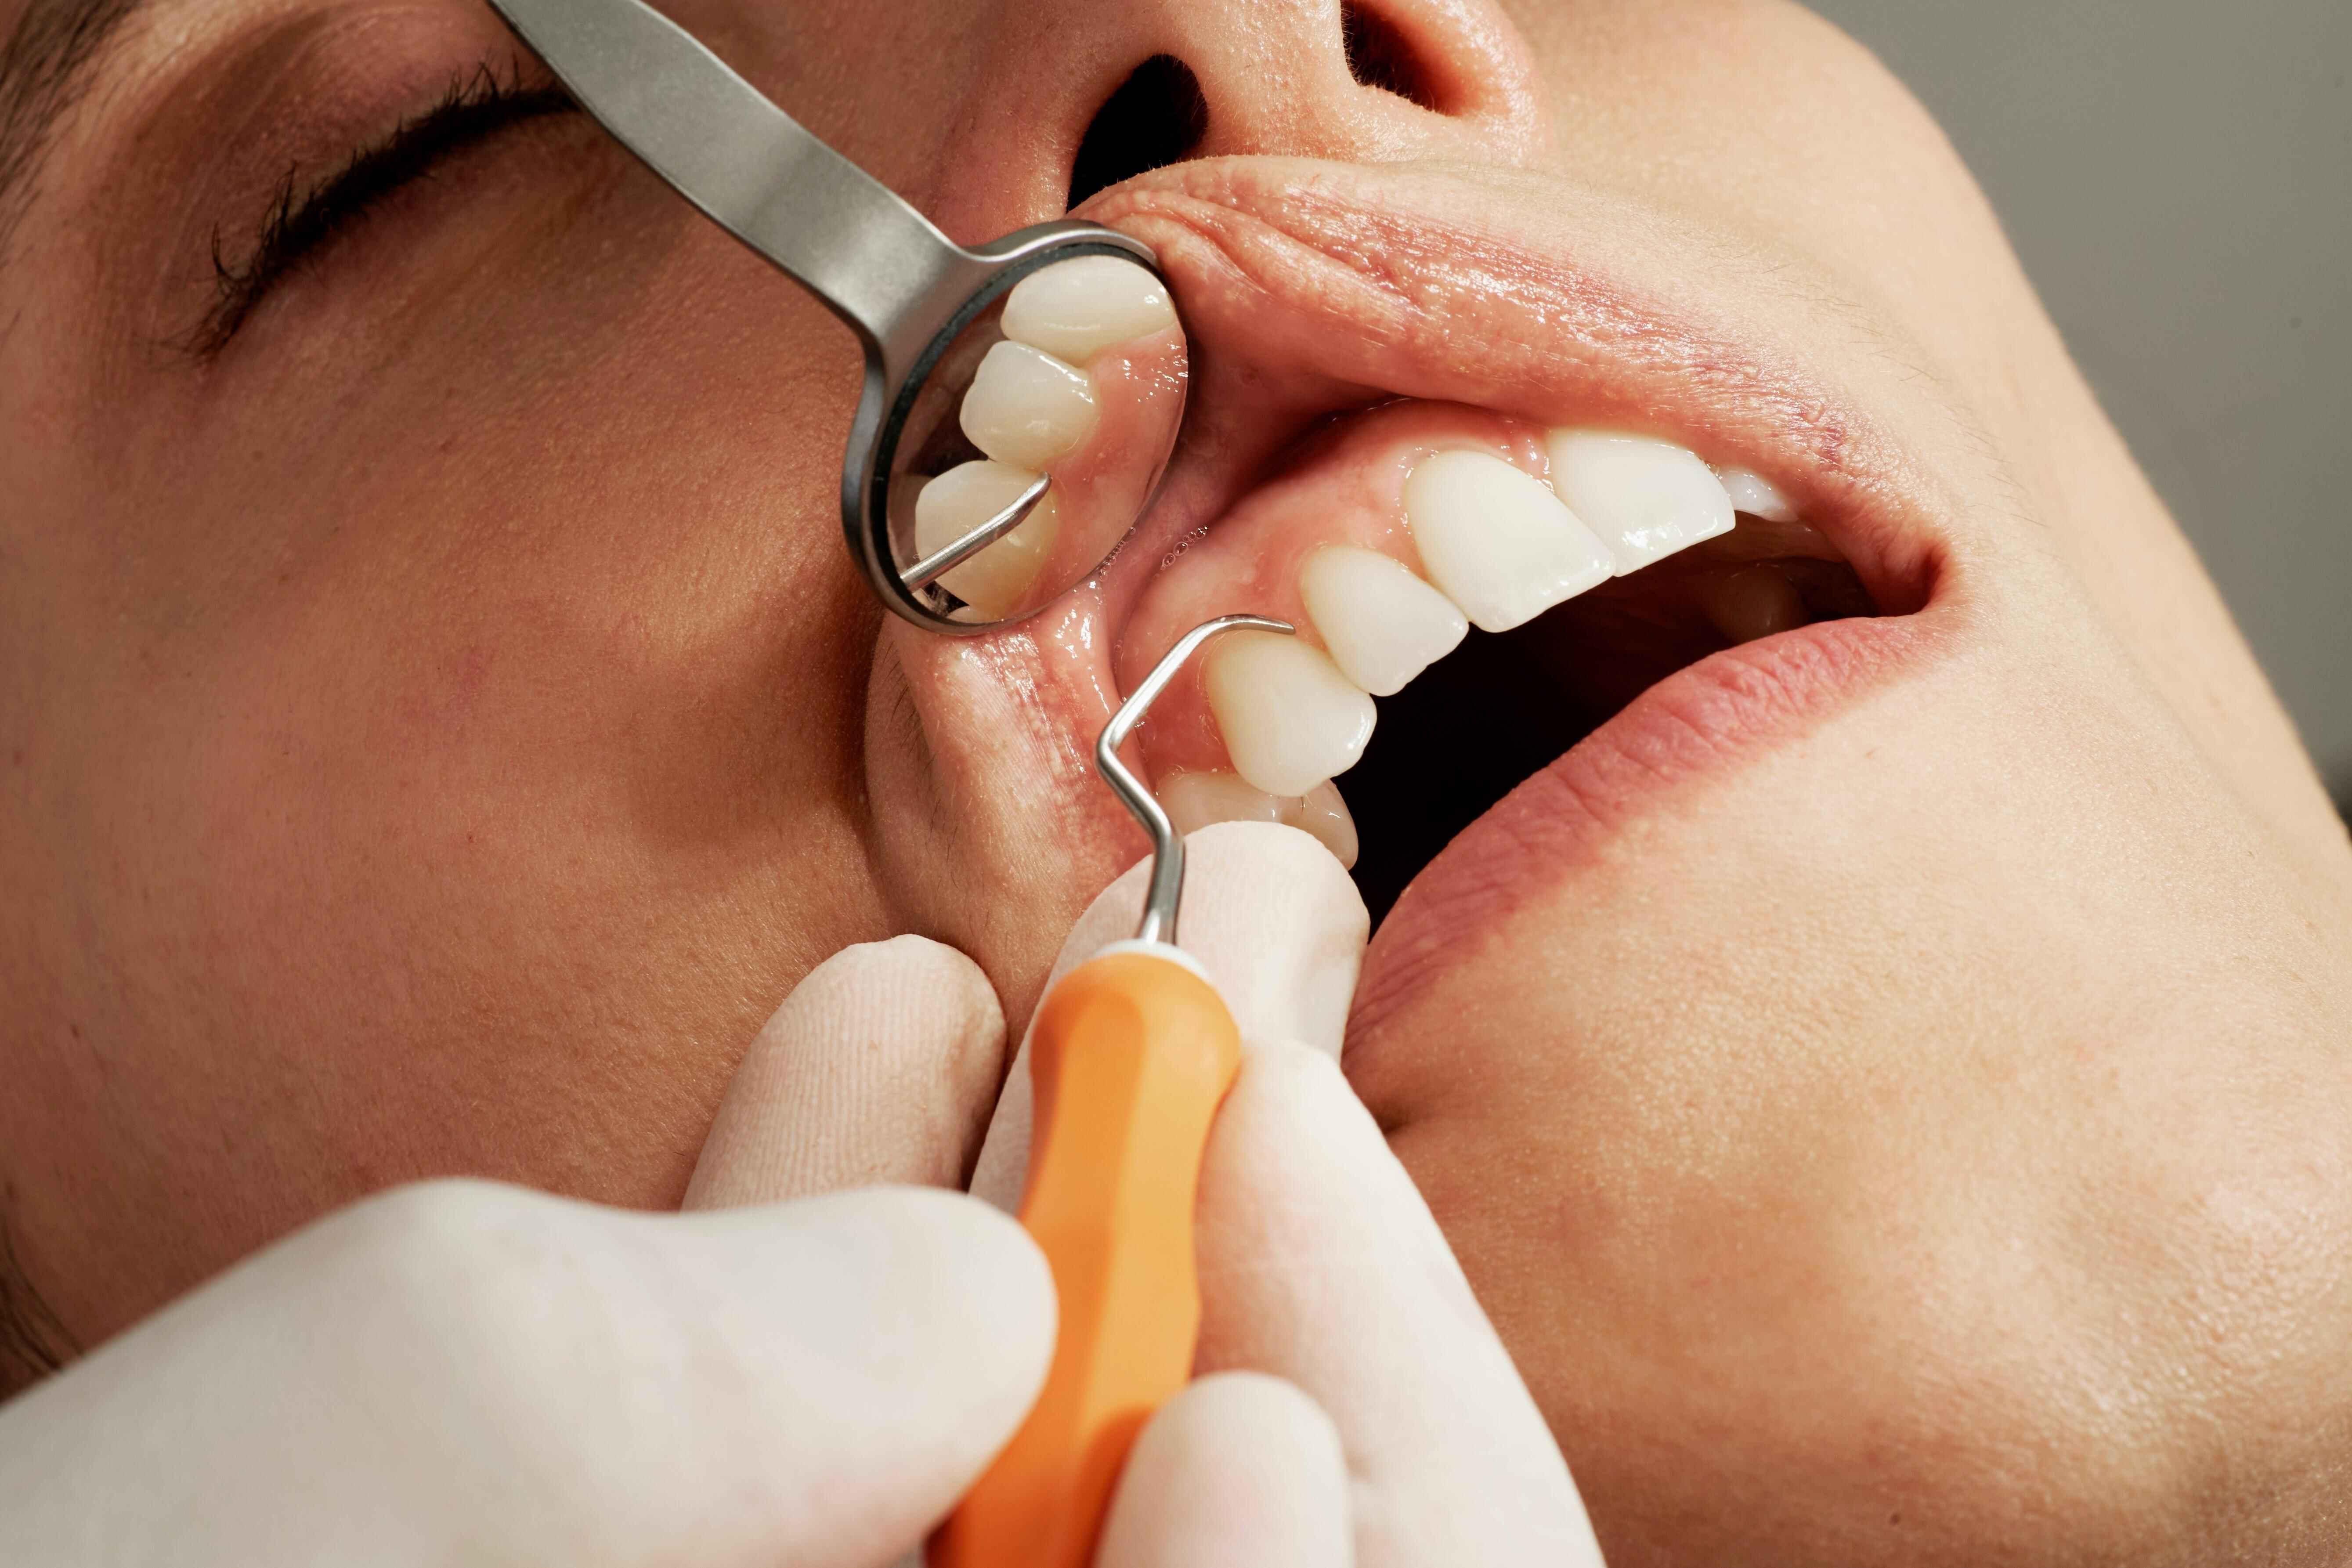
x=461 y=1372
x=1357 y=1407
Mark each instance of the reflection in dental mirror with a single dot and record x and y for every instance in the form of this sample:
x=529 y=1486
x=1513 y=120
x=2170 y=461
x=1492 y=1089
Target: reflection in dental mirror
x=1075 y=378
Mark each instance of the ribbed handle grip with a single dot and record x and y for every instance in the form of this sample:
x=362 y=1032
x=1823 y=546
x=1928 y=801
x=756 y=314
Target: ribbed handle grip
x=1130 y=1057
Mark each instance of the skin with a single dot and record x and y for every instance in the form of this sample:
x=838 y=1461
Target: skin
x=435 y=732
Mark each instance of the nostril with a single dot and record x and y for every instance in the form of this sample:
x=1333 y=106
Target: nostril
x=1158 y=116
x=1380 y=57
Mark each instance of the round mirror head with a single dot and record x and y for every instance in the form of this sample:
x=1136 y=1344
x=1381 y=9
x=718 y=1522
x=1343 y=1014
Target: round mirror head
x=1028 y=440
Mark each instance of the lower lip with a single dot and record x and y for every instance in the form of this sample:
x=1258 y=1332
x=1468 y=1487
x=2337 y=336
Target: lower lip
x=1702 y=722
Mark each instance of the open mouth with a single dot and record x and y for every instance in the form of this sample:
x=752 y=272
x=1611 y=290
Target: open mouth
x=1474 y=595
x=1503 y=707
x=1568 y=522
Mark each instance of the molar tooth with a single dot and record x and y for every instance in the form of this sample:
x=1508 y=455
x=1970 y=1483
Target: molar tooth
x=953 y=504
x=1291 y=718
x=1496 y=541
x=1026 y=407
x=1757 y=496
x=1382 y=625
x=1647 y=497
x=1075 y=310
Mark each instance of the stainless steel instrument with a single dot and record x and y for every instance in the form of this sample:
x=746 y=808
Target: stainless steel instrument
x=920 y=305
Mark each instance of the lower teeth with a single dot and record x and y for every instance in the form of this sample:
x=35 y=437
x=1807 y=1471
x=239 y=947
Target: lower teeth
x=1195 y=800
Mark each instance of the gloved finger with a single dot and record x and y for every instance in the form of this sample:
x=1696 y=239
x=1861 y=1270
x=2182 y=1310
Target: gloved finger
x=1271 y=916
x=1320 y=1265
x=1237 y=1472
x=466 y=1374
x=880 y=1067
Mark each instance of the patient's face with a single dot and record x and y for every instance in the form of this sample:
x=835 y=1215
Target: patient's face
x=438 y=722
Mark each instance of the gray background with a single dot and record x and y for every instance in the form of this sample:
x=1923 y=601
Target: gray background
x=2178 y=177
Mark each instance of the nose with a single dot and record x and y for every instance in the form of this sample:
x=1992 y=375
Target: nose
x=1360 y=81
x=1012 y=113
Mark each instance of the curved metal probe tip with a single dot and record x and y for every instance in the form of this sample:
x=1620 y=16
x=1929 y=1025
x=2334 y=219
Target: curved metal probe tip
x=1167 y=892
x=924 y=572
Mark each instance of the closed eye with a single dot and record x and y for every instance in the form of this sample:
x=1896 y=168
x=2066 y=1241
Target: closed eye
x=303 y=223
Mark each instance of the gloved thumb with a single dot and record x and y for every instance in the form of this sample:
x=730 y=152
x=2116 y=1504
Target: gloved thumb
x=1271 y=916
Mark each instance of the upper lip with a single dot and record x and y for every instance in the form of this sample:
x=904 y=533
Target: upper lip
x=1310 y=289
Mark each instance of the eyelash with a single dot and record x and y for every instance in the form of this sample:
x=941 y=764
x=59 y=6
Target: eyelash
x=301 y=223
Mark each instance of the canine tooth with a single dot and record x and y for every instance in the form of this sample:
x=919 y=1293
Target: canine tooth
x=1026 y=407
x=1075 y=310
x=1323 y=814
x=1291 y=718
x=1754 y=602
x=1382 y=625
x=967 y=495
x=1757 y=496
x=1647 y=497
x=1496 y=541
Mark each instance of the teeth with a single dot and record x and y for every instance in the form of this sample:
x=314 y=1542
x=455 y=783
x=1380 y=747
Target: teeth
x=1752 y=603
x=1075 y=310
x=1382 y=625
x=1497 y=543
x=1499 y=546
x=1647 y=497
x=950 y=506
x=1291 y=718
x=1026 y=407
x=1757 y=496
x=1325 y=814
x=1193 y=801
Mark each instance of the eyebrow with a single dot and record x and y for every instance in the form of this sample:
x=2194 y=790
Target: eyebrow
x=45 y=66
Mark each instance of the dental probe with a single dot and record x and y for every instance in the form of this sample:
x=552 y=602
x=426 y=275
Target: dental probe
x=1132 y=1053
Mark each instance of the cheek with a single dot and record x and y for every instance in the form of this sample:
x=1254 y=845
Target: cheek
x=480 y=842
x=631 y=779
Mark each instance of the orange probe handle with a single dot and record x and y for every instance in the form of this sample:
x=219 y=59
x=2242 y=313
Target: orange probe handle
x=1131 y=1055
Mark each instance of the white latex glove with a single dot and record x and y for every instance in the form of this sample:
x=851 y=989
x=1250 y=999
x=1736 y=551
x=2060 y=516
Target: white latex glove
x=464 y=1374
x=1356 y=1406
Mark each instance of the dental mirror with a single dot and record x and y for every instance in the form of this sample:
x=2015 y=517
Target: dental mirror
x=1020 y=399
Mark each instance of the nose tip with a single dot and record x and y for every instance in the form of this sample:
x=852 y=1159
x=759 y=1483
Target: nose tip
x=1379 y=80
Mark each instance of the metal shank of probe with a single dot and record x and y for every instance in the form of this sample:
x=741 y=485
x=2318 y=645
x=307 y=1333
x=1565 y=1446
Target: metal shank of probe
x=1159 y=924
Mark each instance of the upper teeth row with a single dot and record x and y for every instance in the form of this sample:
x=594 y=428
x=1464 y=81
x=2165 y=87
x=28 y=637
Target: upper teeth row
x=1498 y=546
x=1032 y=404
